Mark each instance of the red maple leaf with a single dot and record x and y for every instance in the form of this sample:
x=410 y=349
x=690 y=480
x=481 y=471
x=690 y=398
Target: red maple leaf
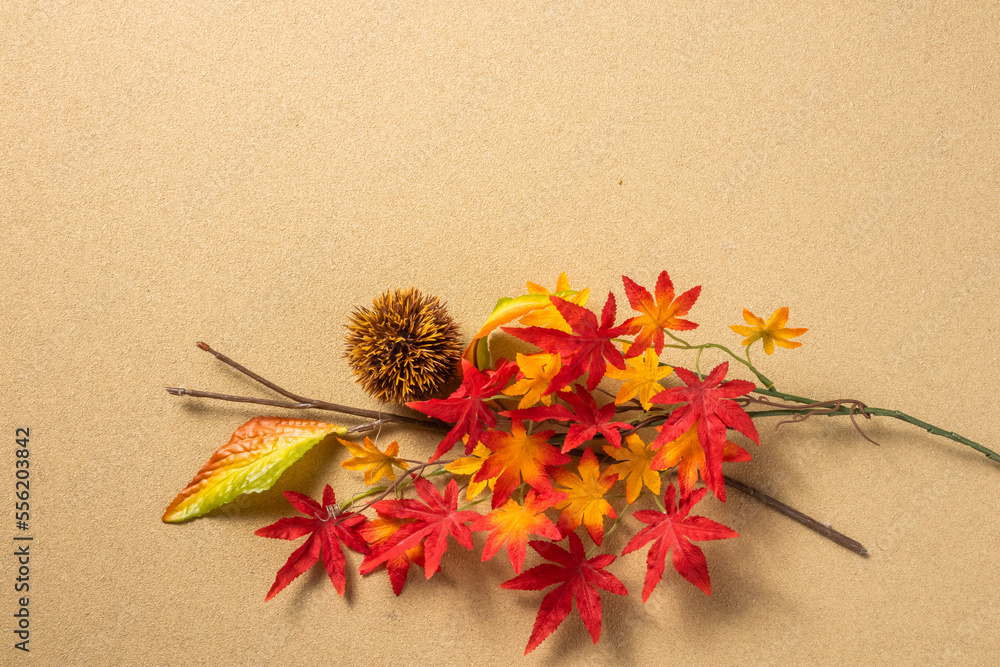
x=664 y=313
x=577 y=577
x=708 y=404
x=587 y=420
x=674 y=528
x=328 y=529
x=466 y=408
x=432 y=521
x=379 y=531
x=587 y=349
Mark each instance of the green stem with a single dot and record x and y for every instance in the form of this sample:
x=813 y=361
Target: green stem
x=881 y=412
x=473 y=503
x=934 y=430
x=684 y=345
x=614 y=525
x=778 y=394
x=361 y=496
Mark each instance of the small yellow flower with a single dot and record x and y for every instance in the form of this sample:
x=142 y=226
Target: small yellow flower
x=772 y=332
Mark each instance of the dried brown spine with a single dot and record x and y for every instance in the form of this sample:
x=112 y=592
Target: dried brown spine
x=405 y=347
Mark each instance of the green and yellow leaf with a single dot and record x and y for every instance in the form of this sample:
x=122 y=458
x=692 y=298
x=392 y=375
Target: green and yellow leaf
x=251 y=462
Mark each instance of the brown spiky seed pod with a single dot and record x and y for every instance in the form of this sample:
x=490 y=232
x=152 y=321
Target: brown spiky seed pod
x=403 y=348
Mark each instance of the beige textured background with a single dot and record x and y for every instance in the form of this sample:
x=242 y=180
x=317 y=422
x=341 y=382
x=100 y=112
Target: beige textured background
x=245 y=173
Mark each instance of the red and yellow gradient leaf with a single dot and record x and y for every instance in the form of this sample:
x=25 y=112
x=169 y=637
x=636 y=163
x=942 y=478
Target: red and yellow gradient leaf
x=578 y=577
x=709 y=404
x=251 y=462
x=663 y=313
x=637 y=467
x=467 y=407
x=585 y=492
x=470 y=465
x=518 y=456
x=686 y=453
x=589 y=349
x=375 y=463
x=512 y=523
x=509 y=309
x=433 y=518
x=641 y=378
x=674 y=529
x=773 y=332
x=376 y=533
x=537 y=371
x=586 y=418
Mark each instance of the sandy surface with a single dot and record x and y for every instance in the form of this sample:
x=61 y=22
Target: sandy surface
x=247 y=173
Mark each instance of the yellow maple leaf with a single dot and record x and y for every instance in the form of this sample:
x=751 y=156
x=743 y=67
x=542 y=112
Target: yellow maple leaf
x=538 y=371
x=773 y=332
x=636 y=467
x=641 y=377
x=470 y=465
x=549 y=317
x=585 y=501
x=375 y=463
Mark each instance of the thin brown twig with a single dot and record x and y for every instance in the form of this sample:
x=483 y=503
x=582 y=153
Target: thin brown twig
x=300 y=402
x=794 y=514
x=649 y=421
x=313 y=404
x=249 y=373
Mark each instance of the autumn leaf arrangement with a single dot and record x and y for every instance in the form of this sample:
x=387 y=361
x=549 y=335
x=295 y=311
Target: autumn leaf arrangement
x=530 y=447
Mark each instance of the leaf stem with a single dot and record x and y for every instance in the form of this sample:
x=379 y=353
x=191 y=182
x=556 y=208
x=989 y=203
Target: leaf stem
x=406 y=477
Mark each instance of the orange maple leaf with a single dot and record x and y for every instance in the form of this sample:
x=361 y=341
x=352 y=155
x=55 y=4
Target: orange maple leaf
x=376 y=533
x=375 y=463
x=773 y=332
x=512 y=523
x=686 y=453
x=663 y=313
x=585 y=501
x=518 y=456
